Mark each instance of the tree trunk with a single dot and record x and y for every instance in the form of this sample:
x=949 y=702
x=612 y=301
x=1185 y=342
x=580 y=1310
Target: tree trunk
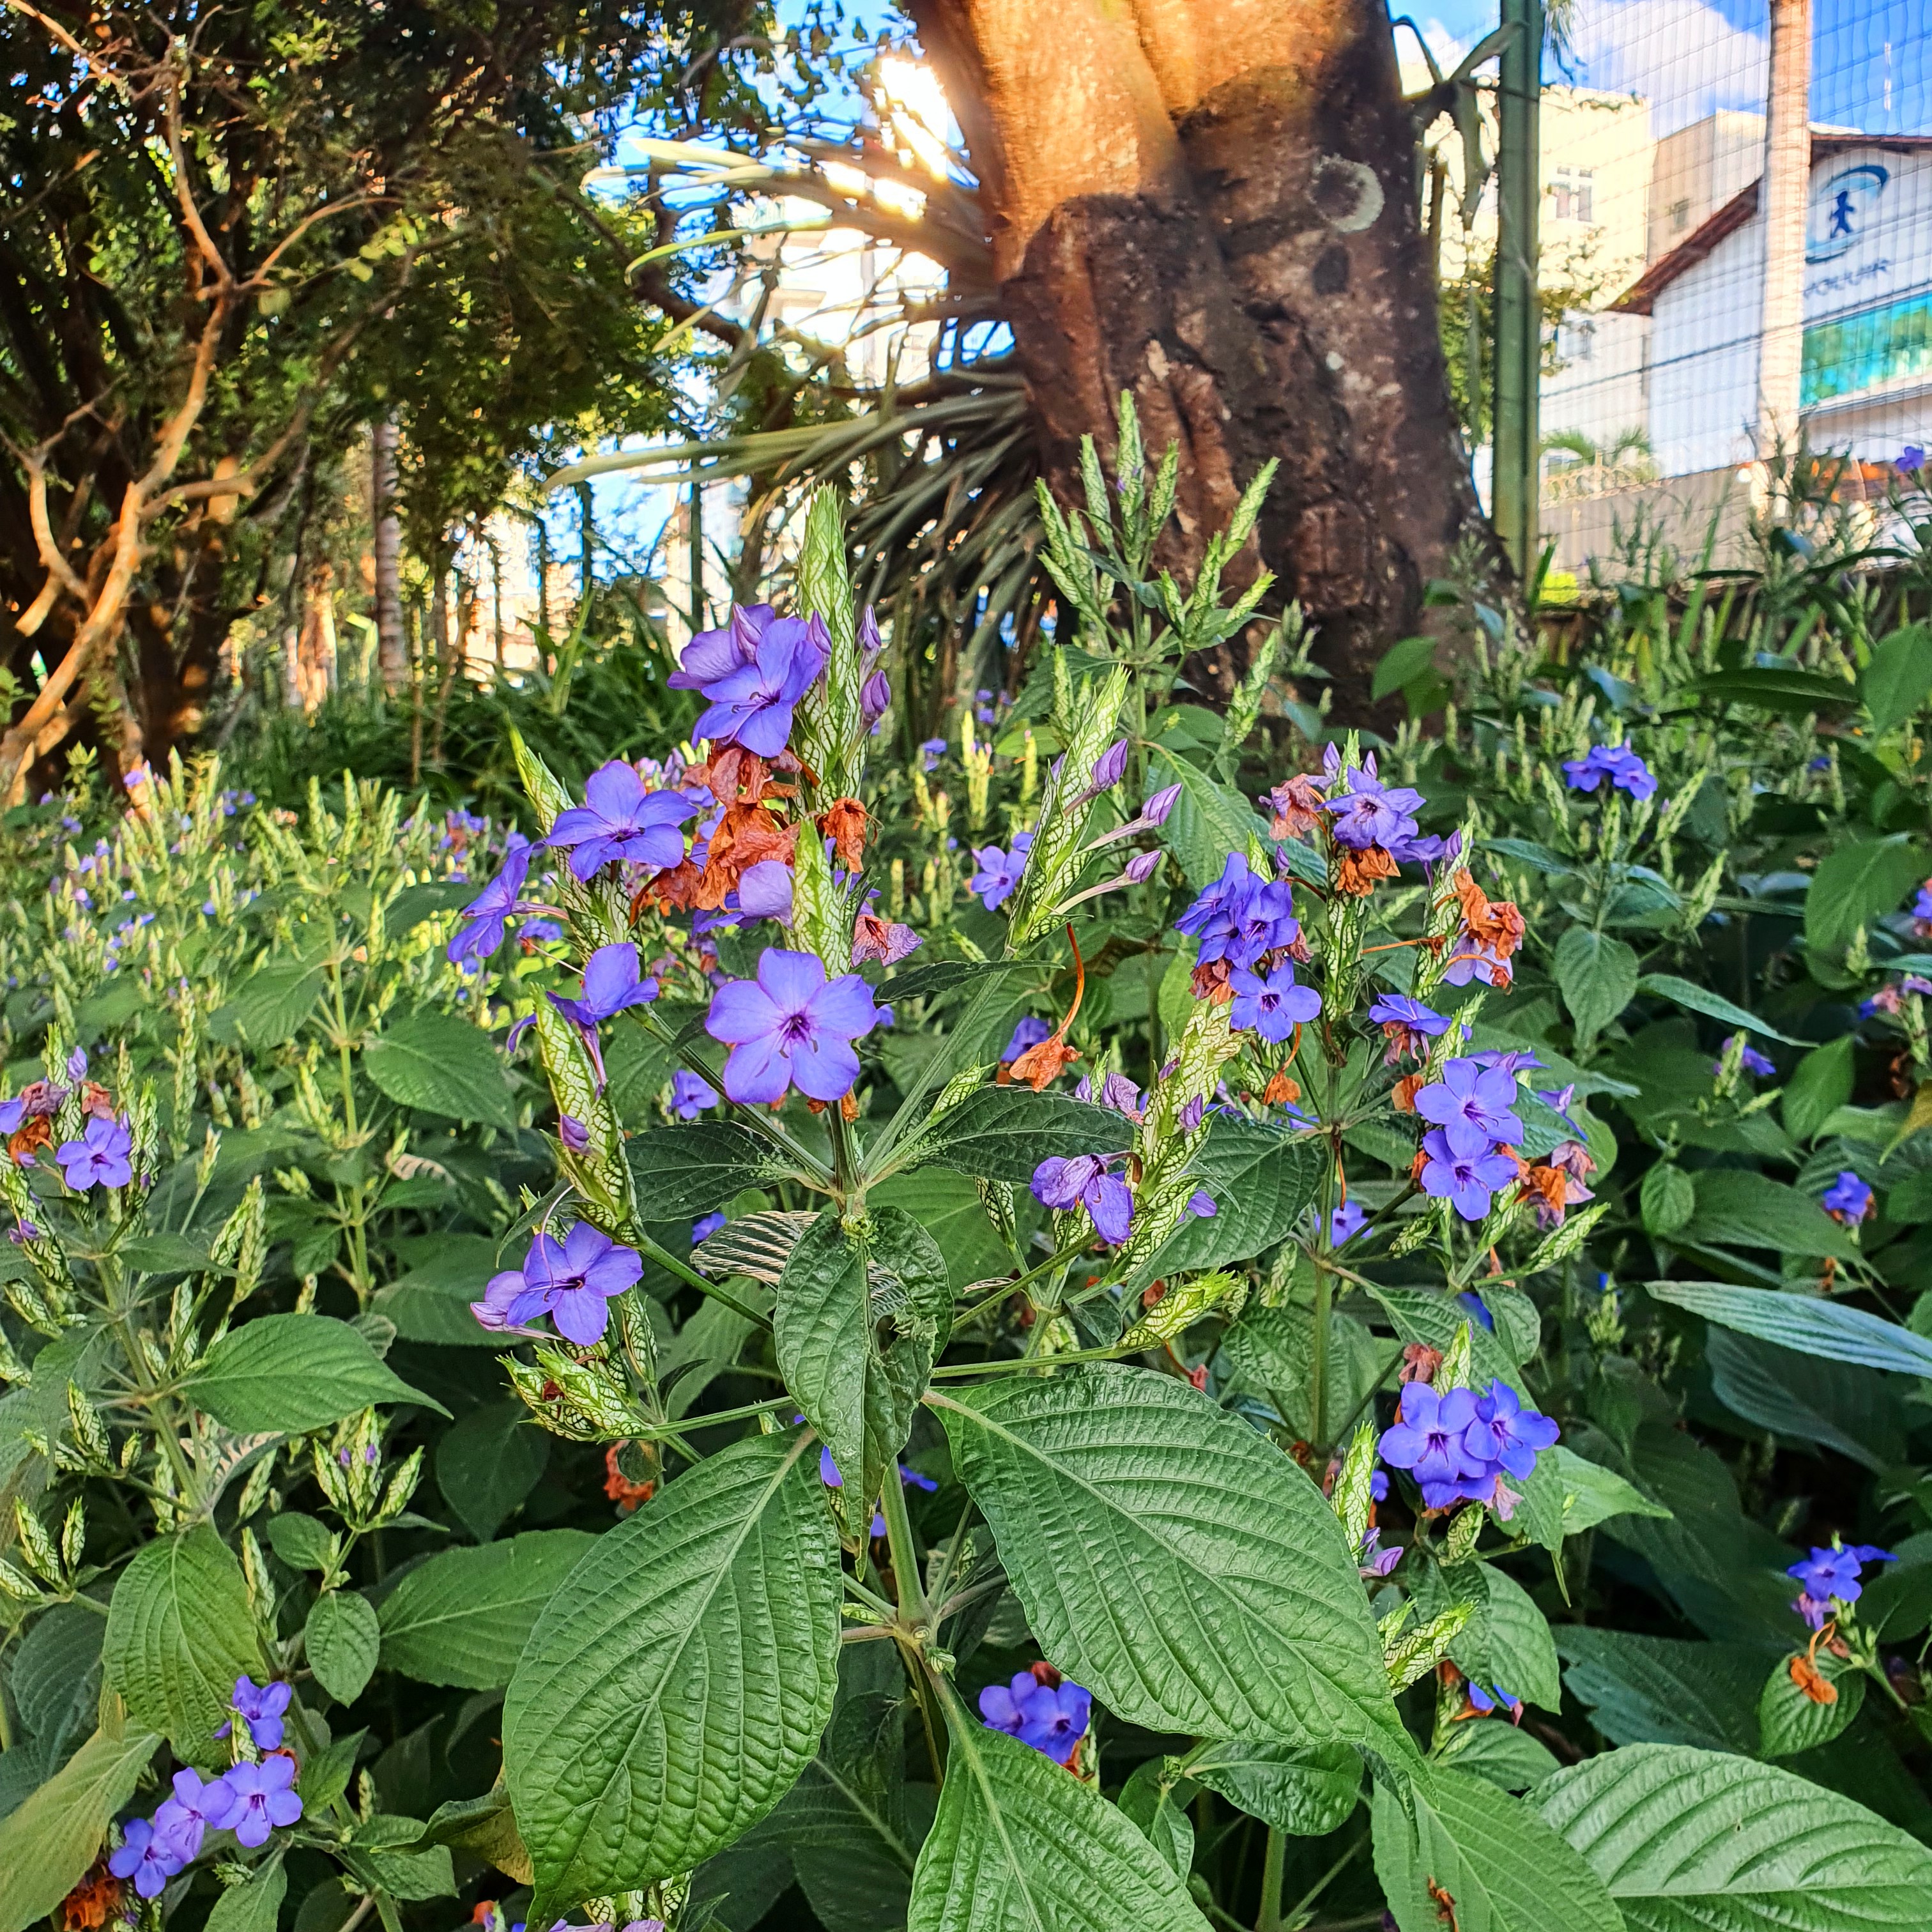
x=1210 y=204
x=392 y=649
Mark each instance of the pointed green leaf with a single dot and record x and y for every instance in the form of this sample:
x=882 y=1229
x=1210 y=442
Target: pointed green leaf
x=1804 y=1323
x=1465 y=1847
x=1309 y=1793
x=439 y=1064
x=180 y=1631
x=858 y=1318
x=1691 y=1841
x=1790 y=1721
x=678 y=1685
x=254 y=1905
x=293 y=1373
x=47 y=1844
x=1018 y=1845
x=1173 y=1561
x=342 y=1638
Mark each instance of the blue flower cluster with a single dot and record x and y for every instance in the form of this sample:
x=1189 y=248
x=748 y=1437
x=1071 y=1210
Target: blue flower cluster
x=1459 y=1445
x=1625 y=769
x=1041 y=1708
x=1829 y=1578
x=1463 y=1159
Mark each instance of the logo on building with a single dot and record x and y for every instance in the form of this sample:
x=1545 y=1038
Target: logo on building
x=1843 y=207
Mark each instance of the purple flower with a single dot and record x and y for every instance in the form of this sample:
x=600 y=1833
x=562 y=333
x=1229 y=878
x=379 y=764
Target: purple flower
x=540 y=928
x=1028 y=1032
x=1345 y=1222
x=570 y=1281
x=1754 y=1063
x=706 y=1225
x=1504 y=1434
x=1618 y=762
x=751 y=702
x=1083 y=1182
x=1370 y=813
x=1467 y=1180
x=931 y=750
x=1052 y=1718
x=184 y=1818
x=1399 y=1009
x=690 y=1094
x=1827 y=1574
x=1108 y=769
x=149 y=1857
x=1153 y=813
x=262 y=1706
x=875 y=698
x=764 y=892
x=1272 y=1007
x=1477 y=1309
x=1473 y=958
x=1265 y=923
x=574 y=1134
x=1483 y=1701
x=1141 y=868
x=484 y=918
x=619 y=820
x=789 y=1028
x=102 y=1155
x=1911 y=459
x=1116 y=1091
x=999 y=872
x=1215 y=917
x=263 y=1798
x=713 y=654
x=610 y=984
x=1376 y=1562
x=1471 y=1103
x=1201 y=1205
x=1427 y=1440
x=1848 y=1199
x=39 y=1100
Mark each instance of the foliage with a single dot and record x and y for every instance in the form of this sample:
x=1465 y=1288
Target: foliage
x=1424 y=1425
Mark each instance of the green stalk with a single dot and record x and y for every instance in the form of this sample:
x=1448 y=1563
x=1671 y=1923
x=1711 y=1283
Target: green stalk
x=1268 y=1919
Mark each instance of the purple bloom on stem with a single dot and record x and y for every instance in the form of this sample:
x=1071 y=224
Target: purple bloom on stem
x=619 y=820
x=1153 y=813
x=1754 y=1063
x=1467 y=1180
x=751 y=704
x=610 y=984
x=690 y=1094
x=932 y=750
x=263 y=1798
x=1371 y=813
x=706 y=1225
x=1272 y=1007
x=574 y=1134
x=875 y=698
x=1265 y=923
x=1618 y=762
x=1848 y=1198
x=1399 y=1009
x=789 y=1027
x=1109 y=768
x=712 y=655
x=1426 y=1439
x=570 y=1281
x=1214 y=918
x=1141 y=868
x=1833 y=1572
x=102 y=1156
x=1477 y=1310
x=1506 y=1435
x=1050 y=1718
x=1083 y=1182
x=999 y=872
x=39 y=1100
x=262 y=1706
x=540 y=928
x=764 y=891
x=1471 y=1103
x=1345 y=1222
x=149 y=1857
x=185 y=1817
x=1201 y=1205
x=1029 y=1031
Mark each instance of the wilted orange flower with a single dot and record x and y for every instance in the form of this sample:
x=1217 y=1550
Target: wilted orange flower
x=1210 y=981
x=1494 y=923
x=843 y=821
x=1356 y=872
x=1281 y=1090
x=1040 y=1065
x=92 y=1902
x=1403 y=1094
x=1813 y=1682
x=36 y=1133
x=1296 y=803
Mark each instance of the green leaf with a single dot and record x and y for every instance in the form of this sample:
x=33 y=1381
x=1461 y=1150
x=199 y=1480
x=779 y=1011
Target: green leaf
x=1688 y=1841
x=1820 y=1084
x=678 y=1687
x=1598 y=976
x=1843 y=1407
x=1896 y=682
x=948 y=1206
x=1656 y=1690
x=302 y=1542
x=431 y=1303
x=1003 y=1133
x=1209 y=820
x=342 y=1638
x=273 y=1001
x=1492 y=1747
x=1566 y=1495
x=55 y=1678
x=254 y=1906
x=1522 y=1654
x=47 y=1844
x=1018 y=1845
x=439 y=1064
x=1405 y=661
x=858 y=1318
x=1667 y=1199
x=691 y=1170
x=1262 y=1181
x=489 y=1463
x=1499 y=1868
x=1173 y=1561
x=485 y=1825
x=1775 y=688
x=1790 y=1722
x=1855 y=886
x=1738 y=1207
x=294 y=1373
x=180 y=1631
x=463 y=1617
x=1308 y=1793
x=1803 y=1322
x=1271 y=1351
x=949 y=976
x=1695 y=999
x=1160 y=1813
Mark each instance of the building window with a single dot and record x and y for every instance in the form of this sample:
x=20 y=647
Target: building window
x=1680 y=214
x=1574 y=189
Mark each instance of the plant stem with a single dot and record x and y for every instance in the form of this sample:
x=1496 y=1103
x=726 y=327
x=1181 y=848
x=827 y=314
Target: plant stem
x=1319 y=1367
x=1268 y=1919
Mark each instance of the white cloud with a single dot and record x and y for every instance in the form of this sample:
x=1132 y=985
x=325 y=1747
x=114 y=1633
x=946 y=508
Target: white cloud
x=1682 y=56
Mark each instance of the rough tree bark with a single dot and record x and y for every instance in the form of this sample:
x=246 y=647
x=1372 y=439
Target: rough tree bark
x=392 y=648
x=1210 y=204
